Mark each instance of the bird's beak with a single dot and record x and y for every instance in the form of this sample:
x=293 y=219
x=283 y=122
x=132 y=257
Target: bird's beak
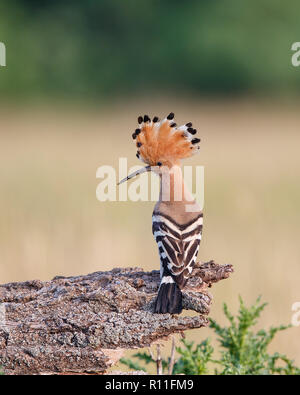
x=136 y=173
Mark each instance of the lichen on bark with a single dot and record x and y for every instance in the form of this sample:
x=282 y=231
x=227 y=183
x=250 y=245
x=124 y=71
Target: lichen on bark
x=82 y=324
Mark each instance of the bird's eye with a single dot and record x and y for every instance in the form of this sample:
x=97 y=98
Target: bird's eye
x=159 y=163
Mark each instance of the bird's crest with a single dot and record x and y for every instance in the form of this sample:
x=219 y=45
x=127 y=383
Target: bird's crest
x=163 y=142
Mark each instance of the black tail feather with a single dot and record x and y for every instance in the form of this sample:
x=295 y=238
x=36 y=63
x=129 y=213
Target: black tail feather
x=169 y=299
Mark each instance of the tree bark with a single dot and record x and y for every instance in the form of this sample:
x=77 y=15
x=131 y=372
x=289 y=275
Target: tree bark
x=83 y=324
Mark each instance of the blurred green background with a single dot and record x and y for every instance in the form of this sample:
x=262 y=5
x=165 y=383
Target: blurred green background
x=80 y=72
x=92 y=48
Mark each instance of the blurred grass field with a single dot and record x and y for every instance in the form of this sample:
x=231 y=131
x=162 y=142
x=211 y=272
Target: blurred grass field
x=52 y=224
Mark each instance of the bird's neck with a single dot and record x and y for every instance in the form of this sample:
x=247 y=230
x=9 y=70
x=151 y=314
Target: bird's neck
x=173 y=188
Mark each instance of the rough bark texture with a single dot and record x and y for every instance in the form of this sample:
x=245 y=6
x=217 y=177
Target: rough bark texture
x=82 y=324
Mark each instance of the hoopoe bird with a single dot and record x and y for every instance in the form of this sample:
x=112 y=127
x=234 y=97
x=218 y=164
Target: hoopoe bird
x=176 y=229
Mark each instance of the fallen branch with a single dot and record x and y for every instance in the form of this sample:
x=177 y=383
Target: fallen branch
x=82 y=324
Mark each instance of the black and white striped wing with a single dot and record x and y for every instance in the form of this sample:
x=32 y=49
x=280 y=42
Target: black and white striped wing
x=178 y=247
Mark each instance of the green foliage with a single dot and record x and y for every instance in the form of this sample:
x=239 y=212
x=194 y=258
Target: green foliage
x=243 y=351
x=132 y=364
x=193 y=361
x=144 y=357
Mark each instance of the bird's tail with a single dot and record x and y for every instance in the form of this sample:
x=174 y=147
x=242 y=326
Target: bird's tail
x=169 y=298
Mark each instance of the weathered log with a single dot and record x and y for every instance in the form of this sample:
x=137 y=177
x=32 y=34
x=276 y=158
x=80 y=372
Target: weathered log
x=82 y=324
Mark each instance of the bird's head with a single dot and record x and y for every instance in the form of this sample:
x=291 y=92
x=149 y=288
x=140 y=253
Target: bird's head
x=162 y=144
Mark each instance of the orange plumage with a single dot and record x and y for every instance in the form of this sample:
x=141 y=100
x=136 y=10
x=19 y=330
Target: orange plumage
x=163 y=143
